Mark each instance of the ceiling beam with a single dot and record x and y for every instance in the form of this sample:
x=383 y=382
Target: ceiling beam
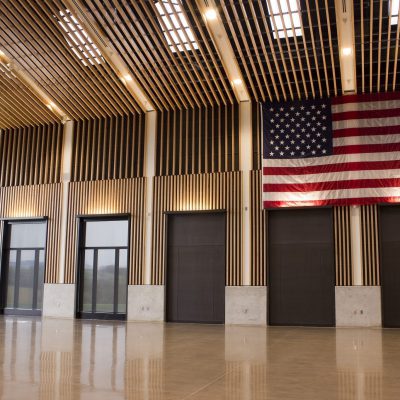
x=347 y=54
x=107 y=50
x=215 y=26
x=31 y=85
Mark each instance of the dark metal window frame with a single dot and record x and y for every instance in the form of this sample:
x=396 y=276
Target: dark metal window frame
x=5 y=253
x=81 y=248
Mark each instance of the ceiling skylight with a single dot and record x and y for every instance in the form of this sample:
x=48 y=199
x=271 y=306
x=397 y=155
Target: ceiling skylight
x=78 y=40
x=282 y=17
x=394 y=12
x=176 y=25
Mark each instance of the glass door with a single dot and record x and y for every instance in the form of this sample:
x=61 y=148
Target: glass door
x=103 y=272
x=23 y=267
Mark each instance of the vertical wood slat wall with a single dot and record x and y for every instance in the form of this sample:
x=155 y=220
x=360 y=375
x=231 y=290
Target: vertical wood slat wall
x=31 y=155
x=108 y=148
x=37 y=201
x=344 y=271
x=107 y=197
x=370 y=245
x=198 y=140
x=217 y=191
x=258 y=239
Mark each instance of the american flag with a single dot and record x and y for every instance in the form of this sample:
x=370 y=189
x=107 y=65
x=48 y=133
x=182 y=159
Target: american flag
x=339 y=151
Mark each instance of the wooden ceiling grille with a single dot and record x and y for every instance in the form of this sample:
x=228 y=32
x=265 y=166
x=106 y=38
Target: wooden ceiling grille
x=32 y=36
x=278 y=65
x=377 y=46
x=175 y=73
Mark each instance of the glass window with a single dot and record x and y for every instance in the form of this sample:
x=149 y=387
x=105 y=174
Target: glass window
x=12 y=262
x=122 y=280
x=394 y=12
x=286 y=15
x=78 y=40
x=107 y=233
x=26 y=279
x=105 y=281
x=88 y=281
x=27 y=235
x=175 y=23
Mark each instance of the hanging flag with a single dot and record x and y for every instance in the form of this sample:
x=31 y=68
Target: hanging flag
x=340 y=151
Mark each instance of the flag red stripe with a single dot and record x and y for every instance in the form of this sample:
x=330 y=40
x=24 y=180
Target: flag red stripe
x=356 y=98
x=331 y=185
x=317 y=169
x=366 y=148
x=367 y=114
x=381 y=130
x=332 y=202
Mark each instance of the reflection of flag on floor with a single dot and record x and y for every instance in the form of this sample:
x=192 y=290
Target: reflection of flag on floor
x=339 y=151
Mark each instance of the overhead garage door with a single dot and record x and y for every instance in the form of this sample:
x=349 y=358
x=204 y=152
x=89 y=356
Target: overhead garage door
x=301 y=267
x=390 y=256
x=196 y=268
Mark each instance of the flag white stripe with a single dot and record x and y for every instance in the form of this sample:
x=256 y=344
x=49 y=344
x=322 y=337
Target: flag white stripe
x=332 y=176
x=374 y=139
x=331 y=194
x=338 y=159
x=365 y=123
x=366 y=106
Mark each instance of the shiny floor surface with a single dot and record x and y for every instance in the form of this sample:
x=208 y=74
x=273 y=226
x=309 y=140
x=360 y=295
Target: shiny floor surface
x=62 y=359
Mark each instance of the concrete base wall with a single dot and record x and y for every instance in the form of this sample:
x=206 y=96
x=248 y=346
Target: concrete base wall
x=59 y=300
x=146 y=303
x=358 y=306
x=245 y=305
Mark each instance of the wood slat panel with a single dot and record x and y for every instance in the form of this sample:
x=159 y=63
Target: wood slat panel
x=256 y=115
x=37 y=201
x=20 y=106
x=300 y=66
x=344 y=271
x=108 y=148
x=107 y=197
x=217 y=191
x=370 y=245
x=199 y=140
x=41 y=38
x=31 y=155
x=258 y=232
x=377 y=46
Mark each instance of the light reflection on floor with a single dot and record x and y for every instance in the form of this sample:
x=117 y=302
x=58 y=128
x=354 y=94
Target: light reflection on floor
x=71 y=360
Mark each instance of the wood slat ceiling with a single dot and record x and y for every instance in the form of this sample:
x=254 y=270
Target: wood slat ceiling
x=19 y=106
x=31 y=35
x=377 y=46
x=290 y=67
x=171 y=78
x=302 y=66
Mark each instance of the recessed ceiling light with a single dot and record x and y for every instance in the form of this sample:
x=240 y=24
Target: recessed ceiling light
x=346 y=51
x=211 y=14
x=127 y=78
x=237 y=82
x=50 y=106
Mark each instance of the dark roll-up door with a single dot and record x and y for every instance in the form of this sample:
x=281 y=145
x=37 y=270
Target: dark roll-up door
x=196 y=268
x=390 y=264
x=301 y=267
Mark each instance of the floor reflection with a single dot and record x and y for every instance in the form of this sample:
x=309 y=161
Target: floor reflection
x=63 y=359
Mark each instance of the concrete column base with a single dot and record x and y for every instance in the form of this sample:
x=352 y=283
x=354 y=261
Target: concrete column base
x=245 y=305
x=358 y=306
x=146 y=303
x=59 y=300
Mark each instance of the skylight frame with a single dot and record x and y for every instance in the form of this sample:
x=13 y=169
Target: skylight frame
x=79 y=40
x=175 y=31
x=290 y=11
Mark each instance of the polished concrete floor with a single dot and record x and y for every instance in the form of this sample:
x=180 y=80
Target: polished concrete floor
x=61 y=359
